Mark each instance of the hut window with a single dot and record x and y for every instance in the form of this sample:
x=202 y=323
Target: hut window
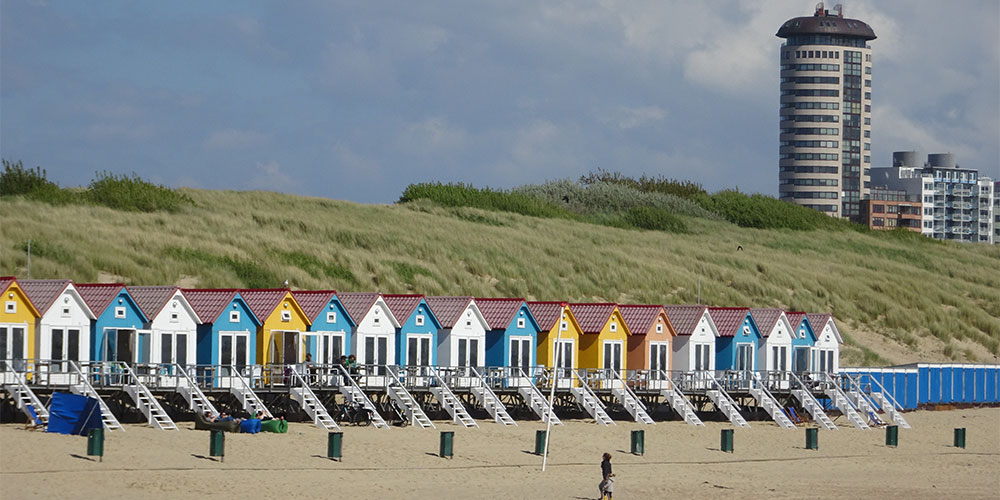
x=563 y=326
x=802 y=334
x=234 y=316
x=286 y=316
x=659 y=328
x=520 y=322
x=65 y=312
x=746 y=330
x=468 y=324
x=419 y=320
x=375 y=319
x=173 y=317
x=614 y=327
x=331 y=317
x=119 y=312
x=10 y=307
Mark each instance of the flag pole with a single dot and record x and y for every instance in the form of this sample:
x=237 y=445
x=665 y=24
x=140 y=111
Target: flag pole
x=552 y=395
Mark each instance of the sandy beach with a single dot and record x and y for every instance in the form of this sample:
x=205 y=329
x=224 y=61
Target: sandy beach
x=495 y=462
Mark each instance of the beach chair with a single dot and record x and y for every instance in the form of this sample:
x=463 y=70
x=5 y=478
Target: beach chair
x=792 y=415
x=35 y=422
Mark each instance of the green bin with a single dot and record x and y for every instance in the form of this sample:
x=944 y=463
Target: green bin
x=638 y=442
x=334 y=445
x=95 y=443
x=727 y=440
x=812 y=438
x=539 y=442
x=892 y=435
x=960 y=437
x=217 y=444
x=447 y=440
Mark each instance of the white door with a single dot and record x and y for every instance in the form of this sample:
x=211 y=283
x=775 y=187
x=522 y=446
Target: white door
x=659 y=357
x=64 y=345
x=519 y=361
x=418 y=357
x=702 y=365
x=468 y=352
x=565 y=360
x=376 y=355
x=234 y=351
x=800 y=363
x=13 y=346
x=612 y=364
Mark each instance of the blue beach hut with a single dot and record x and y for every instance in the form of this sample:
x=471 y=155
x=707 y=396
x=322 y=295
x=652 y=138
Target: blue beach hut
x=738 y=338
x=328 y=337
x=227 y=334
x=417 y=335
x=116 y=334
x=512 y=332
x=803 y=341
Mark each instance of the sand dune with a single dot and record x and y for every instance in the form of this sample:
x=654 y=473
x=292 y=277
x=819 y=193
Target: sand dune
x=494 y=462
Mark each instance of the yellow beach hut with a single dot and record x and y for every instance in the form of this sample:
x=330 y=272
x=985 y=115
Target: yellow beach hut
x=17 y=325
x=556 y=322
x=280 y=337
x=605 y=336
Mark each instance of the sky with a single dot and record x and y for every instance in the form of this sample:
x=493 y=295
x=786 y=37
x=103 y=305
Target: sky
x=356 y=100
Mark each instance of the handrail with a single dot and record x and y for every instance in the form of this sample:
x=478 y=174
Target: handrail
x=805 y=389
x=586 y=387
x=854 y=385
x=235 y=374
x=725 y=393
x=197 y=390
x=885 y=394
x=628 y=389
x=766 y=391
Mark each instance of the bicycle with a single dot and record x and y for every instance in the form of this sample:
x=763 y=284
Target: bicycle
x=354 y=413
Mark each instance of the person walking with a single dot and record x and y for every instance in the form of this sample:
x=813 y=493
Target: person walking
x=607 y=477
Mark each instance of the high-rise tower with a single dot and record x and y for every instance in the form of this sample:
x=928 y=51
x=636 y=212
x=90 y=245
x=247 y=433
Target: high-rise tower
x=826 y=85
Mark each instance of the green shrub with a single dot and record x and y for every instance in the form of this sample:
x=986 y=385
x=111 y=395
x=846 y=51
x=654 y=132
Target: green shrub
x=465 y=195
x=765 y=212
x=609 y=198
x=647 y=184
x=32 y=183
x=654 y=219
x=134 y=194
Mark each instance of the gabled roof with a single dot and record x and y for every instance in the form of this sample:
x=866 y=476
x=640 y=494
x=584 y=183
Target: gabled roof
x=499 y=312
x=546 y=313
x=796 y=318
x=640 y=318
x=357 y=304
x=592 y=317
x=43 y=293
x=819 y=320
x=7 y=281
x=448 y=309
x=313 y=302
x=685 y=318
x=728 y=320
x=402 y=305
x=151 y=299
x=766 y=319
x=99 y=296
x=208 y=304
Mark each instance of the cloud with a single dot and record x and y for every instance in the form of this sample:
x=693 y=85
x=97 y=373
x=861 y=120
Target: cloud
x=270 y=177
x=432 y=136
x=626 y=118
x=234 y=139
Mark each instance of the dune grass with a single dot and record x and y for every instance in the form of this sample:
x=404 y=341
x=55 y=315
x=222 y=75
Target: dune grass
x=896 y=299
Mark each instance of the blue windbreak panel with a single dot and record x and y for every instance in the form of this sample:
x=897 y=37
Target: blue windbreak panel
x=899 y=388
x=958 y=382
x=946 y=384
x=924 y=380
x=969 y=389
x=980 y=384
x=991 y=385
x=934 y=384
x=912 y=386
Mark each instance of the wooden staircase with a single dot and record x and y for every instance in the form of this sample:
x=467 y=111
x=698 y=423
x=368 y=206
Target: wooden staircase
x=630 y=401
x=239 y=387
x=591 y=403
x=304 y=395
x=721 y=399
x=490 y=402
x=156 y=416
x=405 y=402
x=83 y=388
x=810 y=404
x=450 y=402
x=769 y=403
x=26 y=399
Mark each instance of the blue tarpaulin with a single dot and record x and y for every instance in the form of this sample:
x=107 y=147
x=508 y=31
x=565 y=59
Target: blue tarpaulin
x=73 y=414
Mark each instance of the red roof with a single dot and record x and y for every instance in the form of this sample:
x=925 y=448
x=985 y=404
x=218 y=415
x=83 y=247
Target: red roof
x=263 y=301
x=402 y=305
x=685 y=318
x=499 y=312
x=592 y=317
x=640 y=318
x=41 y=293
x=151 y=299
x=357 y=304
x=818 y=321
x=448 y=310
x=795 y=318
x=728 y=320
x=208 y=304
x=766 y=319
x=5 y=282
x=98 y=296
x=313 y=302
x=546 y=314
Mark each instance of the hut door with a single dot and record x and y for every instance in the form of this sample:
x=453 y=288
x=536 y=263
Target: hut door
x=565 y=350
x=520 y=353
x=418 y=350
x=612 y=363
x=13 y=345
x=658 y=357
x=801 y=361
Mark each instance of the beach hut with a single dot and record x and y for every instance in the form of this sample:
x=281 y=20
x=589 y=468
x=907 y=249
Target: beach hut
x=774 y=351
x=417 y=335
x=373 y=340
x=17 y=325
x=694 y=345
x=651 y=335
x=512 y=335
x=227 y=334
x=803 y=340
x=462 y=340
x=117 y=333
x=171 y=321
x=605 y=335
x=63 y=330
x=826 y=351
x=558 y=338
x=282 y=323
x=736 y=345
x=330 y=326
